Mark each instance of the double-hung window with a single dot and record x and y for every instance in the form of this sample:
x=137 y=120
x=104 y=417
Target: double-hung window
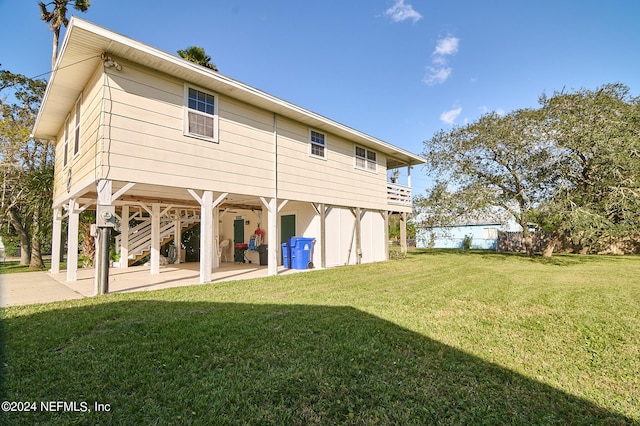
x=366 y=159
x=318 y=144
x=76 y=129
x=65 y=142
x=201 y=114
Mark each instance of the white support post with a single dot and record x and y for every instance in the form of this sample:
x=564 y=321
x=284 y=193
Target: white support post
x=177 y=238
x=403 y=233
x=409 y=176
x=72 y=241
x=272 y=237
x=155 y=239
x=206 y=236
x=215 y=261
x=124 y=238
x=56 y=240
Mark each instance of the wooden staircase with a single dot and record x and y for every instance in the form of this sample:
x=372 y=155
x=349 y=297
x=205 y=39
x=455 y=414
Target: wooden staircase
x=140 y=235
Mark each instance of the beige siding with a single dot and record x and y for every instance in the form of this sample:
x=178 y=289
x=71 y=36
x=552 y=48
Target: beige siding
x=147 y=145
x=132 y=131
x=332 y=181
x=83 y=164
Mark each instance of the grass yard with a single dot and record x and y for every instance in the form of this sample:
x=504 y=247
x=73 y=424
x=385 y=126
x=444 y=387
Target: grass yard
x=14 y=267
x=437 y=338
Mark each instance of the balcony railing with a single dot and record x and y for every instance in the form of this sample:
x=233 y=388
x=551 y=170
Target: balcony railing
x=398 y=194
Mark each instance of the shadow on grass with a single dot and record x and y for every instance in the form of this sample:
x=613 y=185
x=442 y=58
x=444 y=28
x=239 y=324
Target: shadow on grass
x=211 y=363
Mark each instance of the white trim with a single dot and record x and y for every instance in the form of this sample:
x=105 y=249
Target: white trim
x=77 y=113
x=186 y=111
x=65 y=143
x=311 y=144
x=173 y=65
x=366 y=159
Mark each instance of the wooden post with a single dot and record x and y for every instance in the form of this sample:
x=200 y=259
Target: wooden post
x=177 y=237
x=358 y=235
x=124 y=238
x=323 y=236
x=56 y=240
x=272 y=237
x=72 y=241
x=216 y=237
x=385 y=215
x=403 y=233
x=155 y=239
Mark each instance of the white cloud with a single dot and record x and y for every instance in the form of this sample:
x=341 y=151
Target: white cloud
x=401 y=12
x=436 y=75
x=485 y=110
x=449 y=117
x=447 y=46
x=439 y=72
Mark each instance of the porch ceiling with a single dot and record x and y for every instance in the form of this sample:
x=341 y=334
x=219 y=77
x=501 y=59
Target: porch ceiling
x=166 y=195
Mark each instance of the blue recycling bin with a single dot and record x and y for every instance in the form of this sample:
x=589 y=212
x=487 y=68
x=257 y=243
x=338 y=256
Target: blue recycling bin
x=286 y=255
x=301 y=249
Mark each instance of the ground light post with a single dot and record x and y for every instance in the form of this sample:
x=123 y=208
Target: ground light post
x=105 y=220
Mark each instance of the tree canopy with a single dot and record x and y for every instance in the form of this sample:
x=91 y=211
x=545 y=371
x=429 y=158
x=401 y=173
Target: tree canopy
x=26 y=167
x=570 y=167
x=197 y=55
x=56 y=17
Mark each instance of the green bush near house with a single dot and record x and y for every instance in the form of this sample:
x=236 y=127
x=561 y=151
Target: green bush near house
x=441 y=337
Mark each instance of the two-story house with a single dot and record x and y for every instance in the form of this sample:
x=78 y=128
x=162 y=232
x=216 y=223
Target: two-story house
x=169 y=143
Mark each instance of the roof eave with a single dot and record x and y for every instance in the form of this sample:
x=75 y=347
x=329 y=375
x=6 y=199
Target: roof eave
x=135 y=51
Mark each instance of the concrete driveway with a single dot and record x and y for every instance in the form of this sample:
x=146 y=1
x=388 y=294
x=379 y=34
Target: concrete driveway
x=41 y=287
x=32 y=287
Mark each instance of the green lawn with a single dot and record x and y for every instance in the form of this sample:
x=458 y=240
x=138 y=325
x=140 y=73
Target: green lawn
x=437 y=338
x=14 y=267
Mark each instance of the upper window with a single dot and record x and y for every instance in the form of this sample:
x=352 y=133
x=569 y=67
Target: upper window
x=201 y=115
x=366 y=159
x=65 y=143
x=318 y=144
x=76 y=129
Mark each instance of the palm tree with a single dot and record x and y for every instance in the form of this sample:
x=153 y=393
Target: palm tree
x=197 y=54
x=57 y=17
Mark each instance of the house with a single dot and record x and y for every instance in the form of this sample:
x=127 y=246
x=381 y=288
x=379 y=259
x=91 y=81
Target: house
x=146 y=137
x=480 y=235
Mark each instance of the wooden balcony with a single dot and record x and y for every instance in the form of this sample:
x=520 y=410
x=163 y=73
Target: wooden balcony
x=399 y=195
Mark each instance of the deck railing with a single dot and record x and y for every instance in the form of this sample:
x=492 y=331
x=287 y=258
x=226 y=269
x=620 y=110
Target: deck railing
x=398 y=194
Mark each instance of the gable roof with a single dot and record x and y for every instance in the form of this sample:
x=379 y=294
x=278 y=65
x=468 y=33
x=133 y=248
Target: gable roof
x=80 y=55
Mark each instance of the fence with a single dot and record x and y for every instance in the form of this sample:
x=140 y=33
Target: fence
x=512 y=242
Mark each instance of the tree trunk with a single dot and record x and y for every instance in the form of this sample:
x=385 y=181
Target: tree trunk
x=23 y=236
x=550 y=246
x=36 y=252
x=54 y=54
x=527 y=239
x=88 y=245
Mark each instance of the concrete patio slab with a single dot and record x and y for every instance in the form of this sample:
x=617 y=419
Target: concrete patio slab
x=41 y=287
x=33 y=287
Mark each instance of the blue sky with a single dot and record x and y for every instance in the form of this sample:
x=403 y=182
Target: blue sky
x=399 y=70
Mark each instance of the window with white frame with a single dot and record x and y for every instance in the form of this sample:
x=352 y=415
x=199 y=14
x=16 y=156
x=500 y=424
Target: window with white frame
x=201 y=116
x=65 y=143
x=318 y=144
x=366 y=159
x=76 y=129
x=489 y=233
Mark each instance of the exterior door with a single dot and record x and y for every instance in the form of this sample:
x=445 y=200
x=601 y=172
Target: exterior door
x=287 y=227
x=238 y=231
